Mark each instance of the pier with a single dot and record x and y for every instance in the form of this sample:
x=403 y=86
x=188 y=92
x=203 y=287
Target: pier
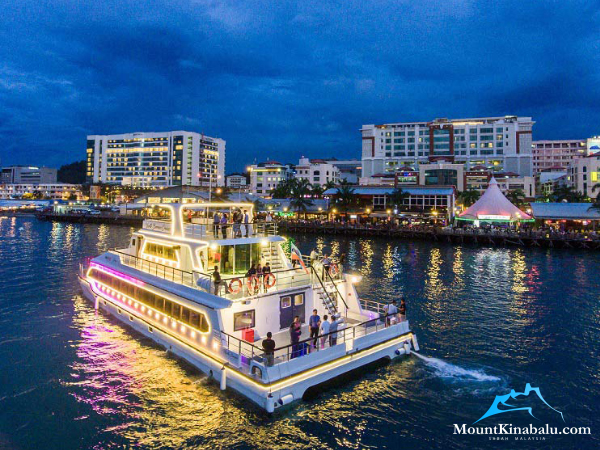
x=106 y=218
x=496 y=238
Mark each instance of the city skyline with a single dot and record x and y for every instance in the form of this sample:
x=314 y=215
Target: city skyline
x=286 y=79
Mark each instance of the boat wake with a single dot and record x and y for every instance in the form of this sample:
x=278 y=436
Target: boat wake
x=447 y=370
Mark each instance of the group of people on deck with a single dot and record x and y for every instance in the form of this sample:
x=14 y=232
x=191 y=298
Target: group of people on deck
x=327 y=330
x=239 y=219
x=393 y=313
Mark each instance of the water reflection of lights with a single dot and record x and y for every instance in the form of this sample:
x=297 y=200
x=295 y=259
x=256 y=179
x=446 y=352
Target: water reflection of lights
x=138 y=386
x=366 y=255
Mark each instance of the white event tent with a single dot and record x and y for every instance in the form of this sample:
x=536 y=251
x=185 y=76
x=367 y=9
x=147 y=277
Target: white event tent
x=493 y=206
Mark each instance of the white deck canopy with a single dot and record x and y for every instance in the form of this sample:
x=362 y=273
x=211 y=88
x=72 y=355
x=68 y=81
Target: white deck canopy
x=494 y=206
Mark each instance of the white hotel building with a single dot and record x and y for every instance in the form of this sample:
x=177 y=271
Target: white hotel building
x=317 y=171
x=156 y=159
x=502 y=144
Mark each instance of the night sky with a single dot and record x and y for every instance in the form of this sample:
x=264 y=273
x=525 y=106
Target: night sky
x=281 y=79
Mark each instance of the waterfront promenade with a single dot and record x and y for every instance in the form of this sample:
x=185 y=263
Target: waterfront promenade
x=528 y=238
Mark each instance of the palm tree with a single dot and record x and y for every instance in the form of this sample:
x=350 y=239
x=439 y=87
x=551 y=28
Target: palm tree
x=329 y=185
x=596 y=204
x=301 y=192
x=567 y=194
x=317 y=190
x=397 y=197
x=283 y=189
x=345 y=196
x=516 y=197
x=468 y=197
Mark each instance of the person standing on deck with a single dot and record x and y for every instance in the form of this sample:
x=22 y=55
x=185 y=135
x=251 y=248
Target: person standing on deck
x=247 y=222
x=392 y=314
x=216 y=276
x=333 y=328
x=216 y=221
x=314 y=322
x=295 y=332
x=402 y=310
x=269 y=347
x=324 y=330
x=313 y=256
x=224 y=225
x=326 y=266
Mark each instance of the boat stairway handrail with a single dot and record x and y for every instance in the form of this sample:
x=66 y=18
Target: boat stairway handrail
x=332 y=297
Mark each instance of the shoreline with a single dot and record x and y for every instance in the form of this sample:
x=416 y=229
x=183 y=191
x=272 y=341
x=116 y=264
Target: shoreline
x=494 y=239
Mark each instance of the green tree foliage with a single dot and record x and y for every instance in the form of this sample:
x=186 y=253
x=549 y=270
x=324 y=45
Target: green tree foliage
x=74 y=173
x=468 y=197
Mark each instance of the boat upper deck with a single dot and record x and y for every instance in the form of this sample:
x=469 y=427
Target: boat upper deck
x=207 y=221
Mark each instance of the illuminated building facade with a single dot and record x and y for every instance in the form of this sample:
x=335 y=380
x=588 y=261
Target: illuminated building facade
x=498 y=143
x=266 y=176
x=156 y=159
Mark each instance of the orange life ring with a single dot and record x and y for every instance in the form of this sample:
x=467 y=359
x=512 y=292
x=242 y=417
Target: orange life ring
x=235 y=286
x=270 y=280
x=253 y=284
x=334 y=270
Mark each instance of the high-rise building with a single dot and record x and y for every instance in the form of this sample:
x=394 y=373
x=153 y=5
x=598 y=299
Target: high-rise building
x=502 y=144
x=554 y=154
x=156 y=159
x=28 y=175
x=317 y=171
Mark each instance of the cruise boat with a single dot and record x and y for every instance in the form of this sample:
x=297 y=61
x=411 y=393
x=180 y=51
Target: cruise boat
x=161 y=286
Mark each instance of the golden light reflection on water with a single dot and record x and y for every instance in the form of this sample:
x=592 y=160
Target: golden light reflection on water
x=458 y=269
x=103 y=235
x=366 y=256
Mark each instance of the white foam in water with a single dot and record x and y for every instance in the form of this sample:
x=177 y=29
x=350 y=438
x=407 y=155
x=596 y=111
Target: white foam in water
x=447 y=370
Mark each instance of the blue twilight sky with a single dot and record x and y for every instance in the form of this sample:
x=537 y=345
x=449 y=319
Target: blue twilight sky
x=280 y=79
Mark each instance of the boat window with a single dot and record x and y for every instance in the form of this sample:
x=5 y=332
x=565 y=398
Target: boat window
x=174 y=310
x=286 y=302
x=243 y=320
x=234 y=259
x=162 y=251
x=185 y=315
x=298 y=299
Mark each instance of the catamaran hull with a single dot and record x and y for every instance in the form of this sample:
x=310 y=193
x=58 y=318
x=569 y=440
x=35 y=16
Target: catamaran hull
x=286 y=389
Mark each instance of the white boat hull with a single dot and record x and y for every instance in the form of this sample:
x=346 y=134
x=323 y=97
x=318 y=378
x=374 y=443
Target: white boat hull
x=392 y=342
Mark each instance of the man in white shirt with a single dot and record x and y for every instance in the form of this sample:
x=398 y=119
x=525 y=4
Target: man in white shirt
x=392 y=314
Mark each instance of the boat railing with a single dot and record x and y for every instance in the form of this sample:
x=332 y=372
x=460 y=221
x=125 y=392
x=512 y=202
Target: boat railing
x=243 y=355
x=240 y=287
x=238 y=352
x=248 y=286
x=342 y=335
x=373 y=306
x=204 y=229
x=158 y=270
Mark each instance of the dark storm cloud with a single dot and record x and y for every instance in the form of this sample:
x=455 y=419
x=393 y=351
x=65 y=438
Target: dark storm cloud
x=281 y=79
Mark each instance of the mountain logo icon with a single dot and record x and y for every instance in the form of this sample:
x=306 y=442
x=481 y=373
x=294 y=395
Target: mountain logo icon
x=503 y=399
